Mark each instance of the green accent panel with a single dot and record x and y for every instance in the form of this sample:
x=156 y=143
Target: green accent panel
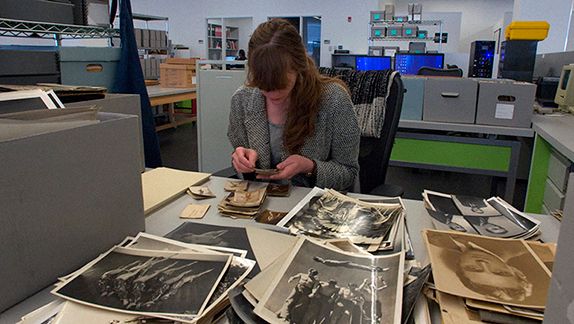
x=537 y=177
x=184 y=104
x=462 y=155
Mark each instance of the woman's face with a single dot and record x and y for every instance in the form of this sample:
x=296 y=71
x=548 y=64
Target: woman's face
x=486 y=269
x=280 y=96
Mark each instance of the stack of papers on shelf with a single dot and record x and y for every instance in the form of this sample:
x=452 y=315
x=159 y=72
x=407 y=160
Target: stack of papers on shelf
x=489 y=217
x=151 y=277
x=479 y=278
x=244 y=203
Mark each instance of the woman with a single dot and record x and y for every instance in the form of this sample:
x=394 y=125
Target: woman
x=291 y=118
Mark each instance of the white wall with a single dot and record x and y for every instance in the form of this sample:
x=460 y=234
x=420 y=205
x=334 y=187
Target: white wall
x=477 y=15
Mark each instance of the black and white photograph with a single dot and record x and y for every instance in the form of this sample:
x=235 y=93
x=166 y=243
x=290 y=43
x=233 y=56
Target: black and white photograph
x=148 y=282
x=486 y=268
x=334 y=215
x=474 y=206
x=144 y=241
x=318 y=284
x=214 y=235
x=504 y=222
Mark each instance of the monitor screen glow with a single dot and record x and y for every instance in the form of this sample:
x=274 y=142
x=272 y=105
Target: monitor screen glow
x=372 y=63
x=409 y=63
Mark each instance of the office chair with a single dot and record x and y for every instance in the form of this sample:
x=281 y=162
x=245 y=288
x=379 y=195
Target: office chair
x=375 y=153
x=430 y=71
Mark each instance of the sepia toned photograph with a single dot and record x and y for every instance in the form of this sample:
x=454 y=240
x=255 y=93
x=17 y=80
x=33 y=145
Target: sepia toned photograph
x=236 y=185
x=318 y=284
x=214 y=235
x=148 y=282
x=278 y=190
x=270 y=217
x=334 y=215
x=485 y=268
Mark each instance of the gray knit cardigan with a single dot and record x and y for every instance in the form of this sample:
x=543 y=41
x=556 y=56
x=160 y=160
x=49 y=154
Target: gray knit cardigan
x=334 y=146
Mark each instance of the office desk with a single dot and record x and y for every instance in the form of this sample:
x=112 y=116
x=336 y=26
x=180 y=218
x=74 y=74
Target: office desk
x=553 y=133
x=428 y=145
x=169 y=96
x=167 y=218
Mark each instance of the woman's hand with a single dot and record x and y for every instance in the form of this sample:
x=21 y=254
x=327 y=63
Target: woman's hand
x=243 y=159
x=292 y=166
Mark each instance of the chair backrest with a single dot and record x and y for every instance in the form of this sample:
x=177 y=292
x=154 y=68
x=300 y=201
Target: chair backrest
x=375 y=153
x=430 y=71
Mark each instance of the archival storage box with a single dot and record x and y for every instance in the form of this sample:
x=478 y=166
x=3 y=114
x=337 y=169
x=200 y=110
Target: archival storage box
x=505 y=103
x=451 y=100
x=66 y=196
x=413 y=99
x=89 y=66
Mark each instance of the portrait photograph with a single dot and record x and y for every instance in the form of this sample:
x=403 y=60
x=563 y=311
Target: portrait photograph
x=323 y=285
x=485 y=268
x=148 y=282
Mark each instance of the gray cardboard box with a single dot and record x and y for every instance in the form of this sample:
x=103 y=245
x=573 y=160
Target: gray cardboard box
x=138 y=35
x=120 y=103
x=505 y=103
x=377 y=16
x=91 y=66
x=450 y=100
x=394 y=31
x=410 y=31
x=413 y=98
x=67 y=196
x=152 y=38
x=389 y=11
x=145 y=38
x=58 y=12
x=163 y=39
x=378 y=31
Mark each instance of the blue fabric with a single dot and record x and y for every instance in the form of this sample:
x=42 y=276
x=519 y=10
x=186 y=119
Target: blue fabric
x=130 y=79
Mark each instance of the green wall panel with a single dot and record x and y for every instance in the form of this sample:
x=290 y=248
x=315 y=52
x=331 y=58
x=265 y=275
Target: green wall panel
x=462 y=155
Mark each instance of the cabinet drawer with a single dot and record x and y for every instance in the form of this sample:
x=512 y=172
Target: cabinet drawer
x=553 y=197
x=558 y=170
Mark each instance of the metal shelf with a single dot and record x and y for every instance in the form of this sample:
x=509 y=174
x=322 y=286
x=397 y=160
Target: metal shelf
x=148 y=17
x=408 y=22
x=21 y=28
x=398 y=39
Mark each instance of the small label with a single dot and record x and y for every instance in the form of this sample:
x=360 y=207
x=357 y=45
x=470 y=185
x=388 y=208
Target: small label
x=504 y=111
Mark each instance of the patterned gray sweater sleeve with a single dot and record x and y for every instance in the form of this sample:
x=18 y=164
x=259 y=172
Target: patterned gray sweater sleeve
x=340 y=168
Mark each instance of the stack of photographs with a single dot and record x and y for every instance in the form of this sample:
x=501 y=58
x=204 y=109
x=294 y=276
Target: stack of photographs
x=489 y=217
x=316 y=282
x=243 y=203
x=480 y=278
x=376 y=225
x=152 y=277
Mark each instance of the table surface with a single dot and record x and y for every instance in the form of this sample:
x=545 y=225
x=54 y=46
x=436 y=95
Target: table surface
x=157 y=91
x=558 y=130
x=167 y=218
x=467 y=128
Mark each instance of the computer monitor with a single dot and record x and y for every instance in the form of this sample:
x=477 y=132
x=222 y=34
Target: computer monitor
x=370 y=63
x=565 y=92
x=410 y=63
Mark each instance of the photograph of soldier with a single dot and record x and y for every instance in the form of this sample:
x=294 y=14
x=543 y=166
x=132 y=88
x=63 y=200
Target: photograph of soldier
x=140 y=281
x=319 y=284
x=473 y=206
x=214 y=235
x=485 y=268
x=443 y=221
x=334 y=215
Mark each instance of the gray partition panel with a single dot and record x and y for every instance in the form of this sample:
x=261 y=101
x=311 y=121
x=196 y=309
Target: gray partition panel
x=215 y=89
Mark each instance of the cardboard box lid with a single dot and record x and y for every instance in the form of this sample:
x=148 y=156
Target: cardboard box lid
x=89 y=54
x=179 y=60
x=176 y=66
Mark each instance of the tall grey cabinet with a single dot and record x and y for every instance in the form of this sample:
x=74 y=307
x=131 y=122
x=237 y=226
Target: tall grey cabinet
x=215 y=89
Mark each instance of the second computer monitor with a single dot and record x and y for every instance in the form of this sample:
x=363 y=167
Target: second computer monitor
x=410 y=63
x=369 y=63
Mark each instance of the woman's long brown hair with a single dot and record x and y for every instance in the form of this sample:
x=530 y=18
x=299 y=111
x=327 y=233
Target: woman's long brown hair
x=276 y=48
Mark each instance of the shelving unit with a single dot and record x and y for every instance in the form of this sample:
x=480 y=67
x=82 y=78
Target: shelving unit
x=21 y=28
x=411 y=23
x=216 y=38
